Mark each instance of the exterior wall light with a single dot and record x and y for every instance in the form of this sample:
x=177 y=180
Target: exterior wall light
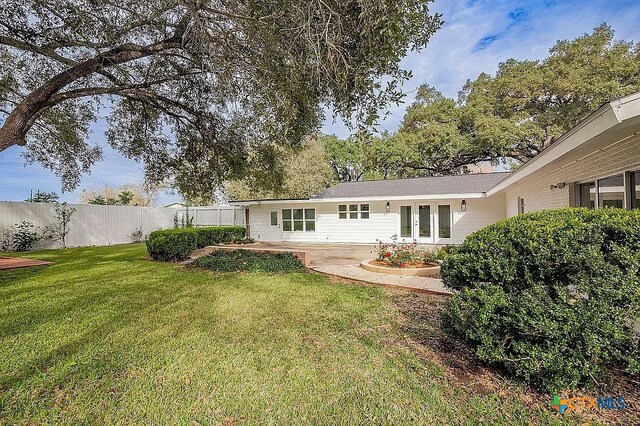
x=388 y=207
x=463 y=206
x=558 y=185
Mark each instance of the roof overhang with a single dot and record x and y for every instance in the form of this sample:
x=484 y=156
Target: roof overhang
x=359 y=199
x=595 y=130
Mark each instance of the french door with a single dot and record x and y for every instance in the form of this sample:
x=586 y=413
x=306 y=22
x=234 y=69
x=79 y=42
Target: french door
x=416 y=223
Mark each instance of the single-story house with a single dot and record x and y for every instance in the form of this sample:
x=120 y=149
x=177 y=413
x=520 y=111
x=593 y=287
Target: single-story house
x=596 y=164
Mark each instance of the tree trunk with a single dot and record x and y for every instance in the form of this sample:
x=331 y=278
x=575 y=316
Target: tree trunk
x=19 y=122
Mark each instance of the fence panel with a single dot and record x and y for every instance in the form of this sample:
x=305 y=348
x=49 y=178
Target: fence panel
x=104 y=225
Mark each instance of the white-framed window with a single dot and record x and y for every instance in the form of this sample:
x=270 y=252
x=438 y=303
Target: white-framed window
x=299 y=220
x=444 y=221
x=274 y=218
x=353 y=211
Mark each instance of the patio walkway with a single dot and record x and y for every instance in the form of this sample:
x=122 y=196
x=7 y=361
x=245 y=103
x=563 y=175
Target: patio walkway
x=343 y=260
x=16 y=262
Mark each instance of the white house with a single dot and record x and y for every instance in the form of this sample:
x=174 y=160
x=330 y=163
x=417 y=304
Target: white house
x=596 y=164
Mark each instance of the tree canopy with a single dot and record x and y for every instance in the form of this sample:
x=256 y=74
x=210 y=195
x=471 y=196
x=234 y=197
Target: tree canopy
x=515 y=114
x=306 y=171
x=197 y=91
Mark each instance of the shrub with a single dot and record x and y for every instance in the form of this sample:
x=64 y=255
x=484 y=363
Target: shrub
x=550 y=297
x=172 y=245
x=211 y=236
x=21 y=237
x=247 y=260
x=178 y=244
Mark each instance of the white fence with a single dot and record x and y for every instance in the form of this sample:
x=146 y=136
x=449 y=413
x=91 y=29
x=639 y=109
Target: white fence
x=96 y=225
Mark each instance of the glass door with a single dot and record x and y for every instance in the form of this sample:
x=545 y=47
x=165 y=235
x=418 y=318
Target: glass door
x=424 y=223
x=406 y=223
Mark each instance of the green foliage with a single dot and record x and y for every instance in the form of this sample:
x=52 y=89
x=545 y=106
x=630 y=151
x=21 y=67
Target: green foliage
x=20 y=237
x=178 y=244
x=551 y=297
x=304 y=173
x=172 y=245
x=201 y=91
x=43 y=197
x=59 y=228
x=513 y=115
x=251 y=261
x=402 y=255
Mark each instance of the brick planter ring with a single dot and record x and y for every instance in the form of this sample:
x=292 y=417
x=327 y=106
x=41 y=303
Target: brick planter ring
x=416 y=272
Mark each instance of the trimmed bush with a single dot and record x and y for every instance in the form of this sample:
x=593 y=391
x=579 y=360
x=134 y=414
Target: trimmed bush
x=178 y=244
x=550 y=297
x=247 y=260
x=211 y=236
x=172 y=244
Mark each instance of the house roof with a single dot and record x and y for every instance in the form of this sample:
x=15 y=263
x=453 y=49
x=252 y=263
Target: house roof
x=434 y=185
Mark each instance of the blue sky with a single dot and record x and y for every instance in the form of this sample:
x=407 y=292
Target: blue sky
x=476 y=37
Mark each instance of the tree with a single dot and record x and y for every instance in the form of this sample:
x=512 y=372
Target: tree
x=59 y=228
x=517 y=113
x=197 y=91
x=43 y=197
x=306 y=172
x=346 y=157
x=124 y=195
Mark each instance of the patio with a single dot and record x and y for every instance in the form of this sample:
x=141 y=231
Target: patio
x=342 y=260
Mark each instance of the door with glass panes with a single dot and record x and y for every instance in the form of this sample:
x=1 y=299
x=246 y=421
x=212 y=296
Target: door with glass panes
x=416 y=223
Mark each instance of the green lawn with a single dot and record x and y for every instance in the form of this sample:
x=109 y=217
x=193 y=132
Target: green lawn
x=106 y=336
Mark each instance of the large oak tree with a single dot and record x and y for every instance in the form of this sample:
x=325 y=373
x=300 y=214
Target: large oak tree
x=513 y=115
x=197 y=90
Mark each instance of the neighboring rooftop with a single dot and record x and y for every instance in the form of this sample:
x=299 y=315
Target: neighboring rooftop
x=434 y=185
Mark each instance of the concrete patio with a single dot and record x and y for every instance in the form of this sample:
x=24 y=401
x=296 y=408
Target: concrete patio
x=343 y=260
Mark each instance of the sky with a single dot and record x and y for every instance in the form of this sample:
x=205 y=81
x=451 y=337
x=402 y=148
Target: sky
x=476 y=37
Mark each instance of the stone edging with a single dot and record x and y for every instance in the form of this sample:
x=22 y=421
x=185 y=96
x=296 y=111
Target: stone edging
x=416 y=272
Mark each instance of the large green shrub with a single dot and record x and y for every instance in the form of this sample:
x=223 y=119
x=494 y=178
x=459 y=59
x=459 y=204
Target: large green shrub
x=172 y=244
x=247 y=260
x=178 y=244
x=550 y=297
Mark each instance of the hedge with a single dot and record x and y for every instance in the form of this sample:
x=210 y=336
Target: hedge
x=178 y=244
x=247 y=260
x=550 y=297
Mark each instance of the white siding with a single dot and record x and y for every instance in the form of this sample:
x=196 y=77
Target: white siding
x=380 y=226
x=538 y=195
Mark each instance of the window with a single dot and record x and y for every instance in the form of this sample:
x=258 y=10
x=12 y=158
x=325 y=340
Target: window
x=274 y=218
x=364 y=211
x=587 y=194
x=444 y=221
x=424 y=221
x=298 y=220
x=405 y=221
x=611 y=192
x=353 y=211
x=342 y=211
x=520 y=205
x=635 y=190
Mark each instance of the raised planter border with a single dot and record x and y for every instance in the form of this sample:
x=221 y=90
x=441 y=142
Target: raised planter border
x=414 y=272
x=303 y=256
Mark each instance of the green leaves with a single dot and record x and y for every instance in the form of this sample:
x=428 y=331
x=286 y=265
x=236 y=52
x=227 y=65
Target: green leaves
x=561 y=287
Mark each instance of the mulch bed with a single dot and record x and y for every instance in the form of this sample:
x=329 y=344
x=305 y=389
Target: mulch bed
x=15 y=262
x=377 y=262
x=421 y=323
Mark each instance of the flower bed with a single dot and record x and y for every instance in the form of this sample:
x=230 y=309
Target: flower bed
x=403 y=255
x=403 y=259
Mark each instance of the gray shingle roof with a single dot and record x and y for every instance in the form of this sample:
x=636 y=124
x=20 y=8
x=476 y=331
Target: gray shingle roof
x=458 y=184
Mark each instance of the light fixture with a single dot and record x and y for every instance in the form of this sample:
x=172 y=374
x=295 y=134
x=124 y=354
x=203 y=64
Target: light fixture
x=558 y=185
x=463 y=206
x=388 y=207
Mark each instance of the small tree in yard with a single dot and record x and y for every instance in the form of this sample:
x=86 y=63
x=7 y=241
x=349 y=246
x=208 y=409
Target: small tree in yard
x=59 y=229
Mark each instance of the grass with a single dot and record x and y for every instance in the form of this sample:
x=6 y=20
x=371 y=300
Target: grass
x=105 y=336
